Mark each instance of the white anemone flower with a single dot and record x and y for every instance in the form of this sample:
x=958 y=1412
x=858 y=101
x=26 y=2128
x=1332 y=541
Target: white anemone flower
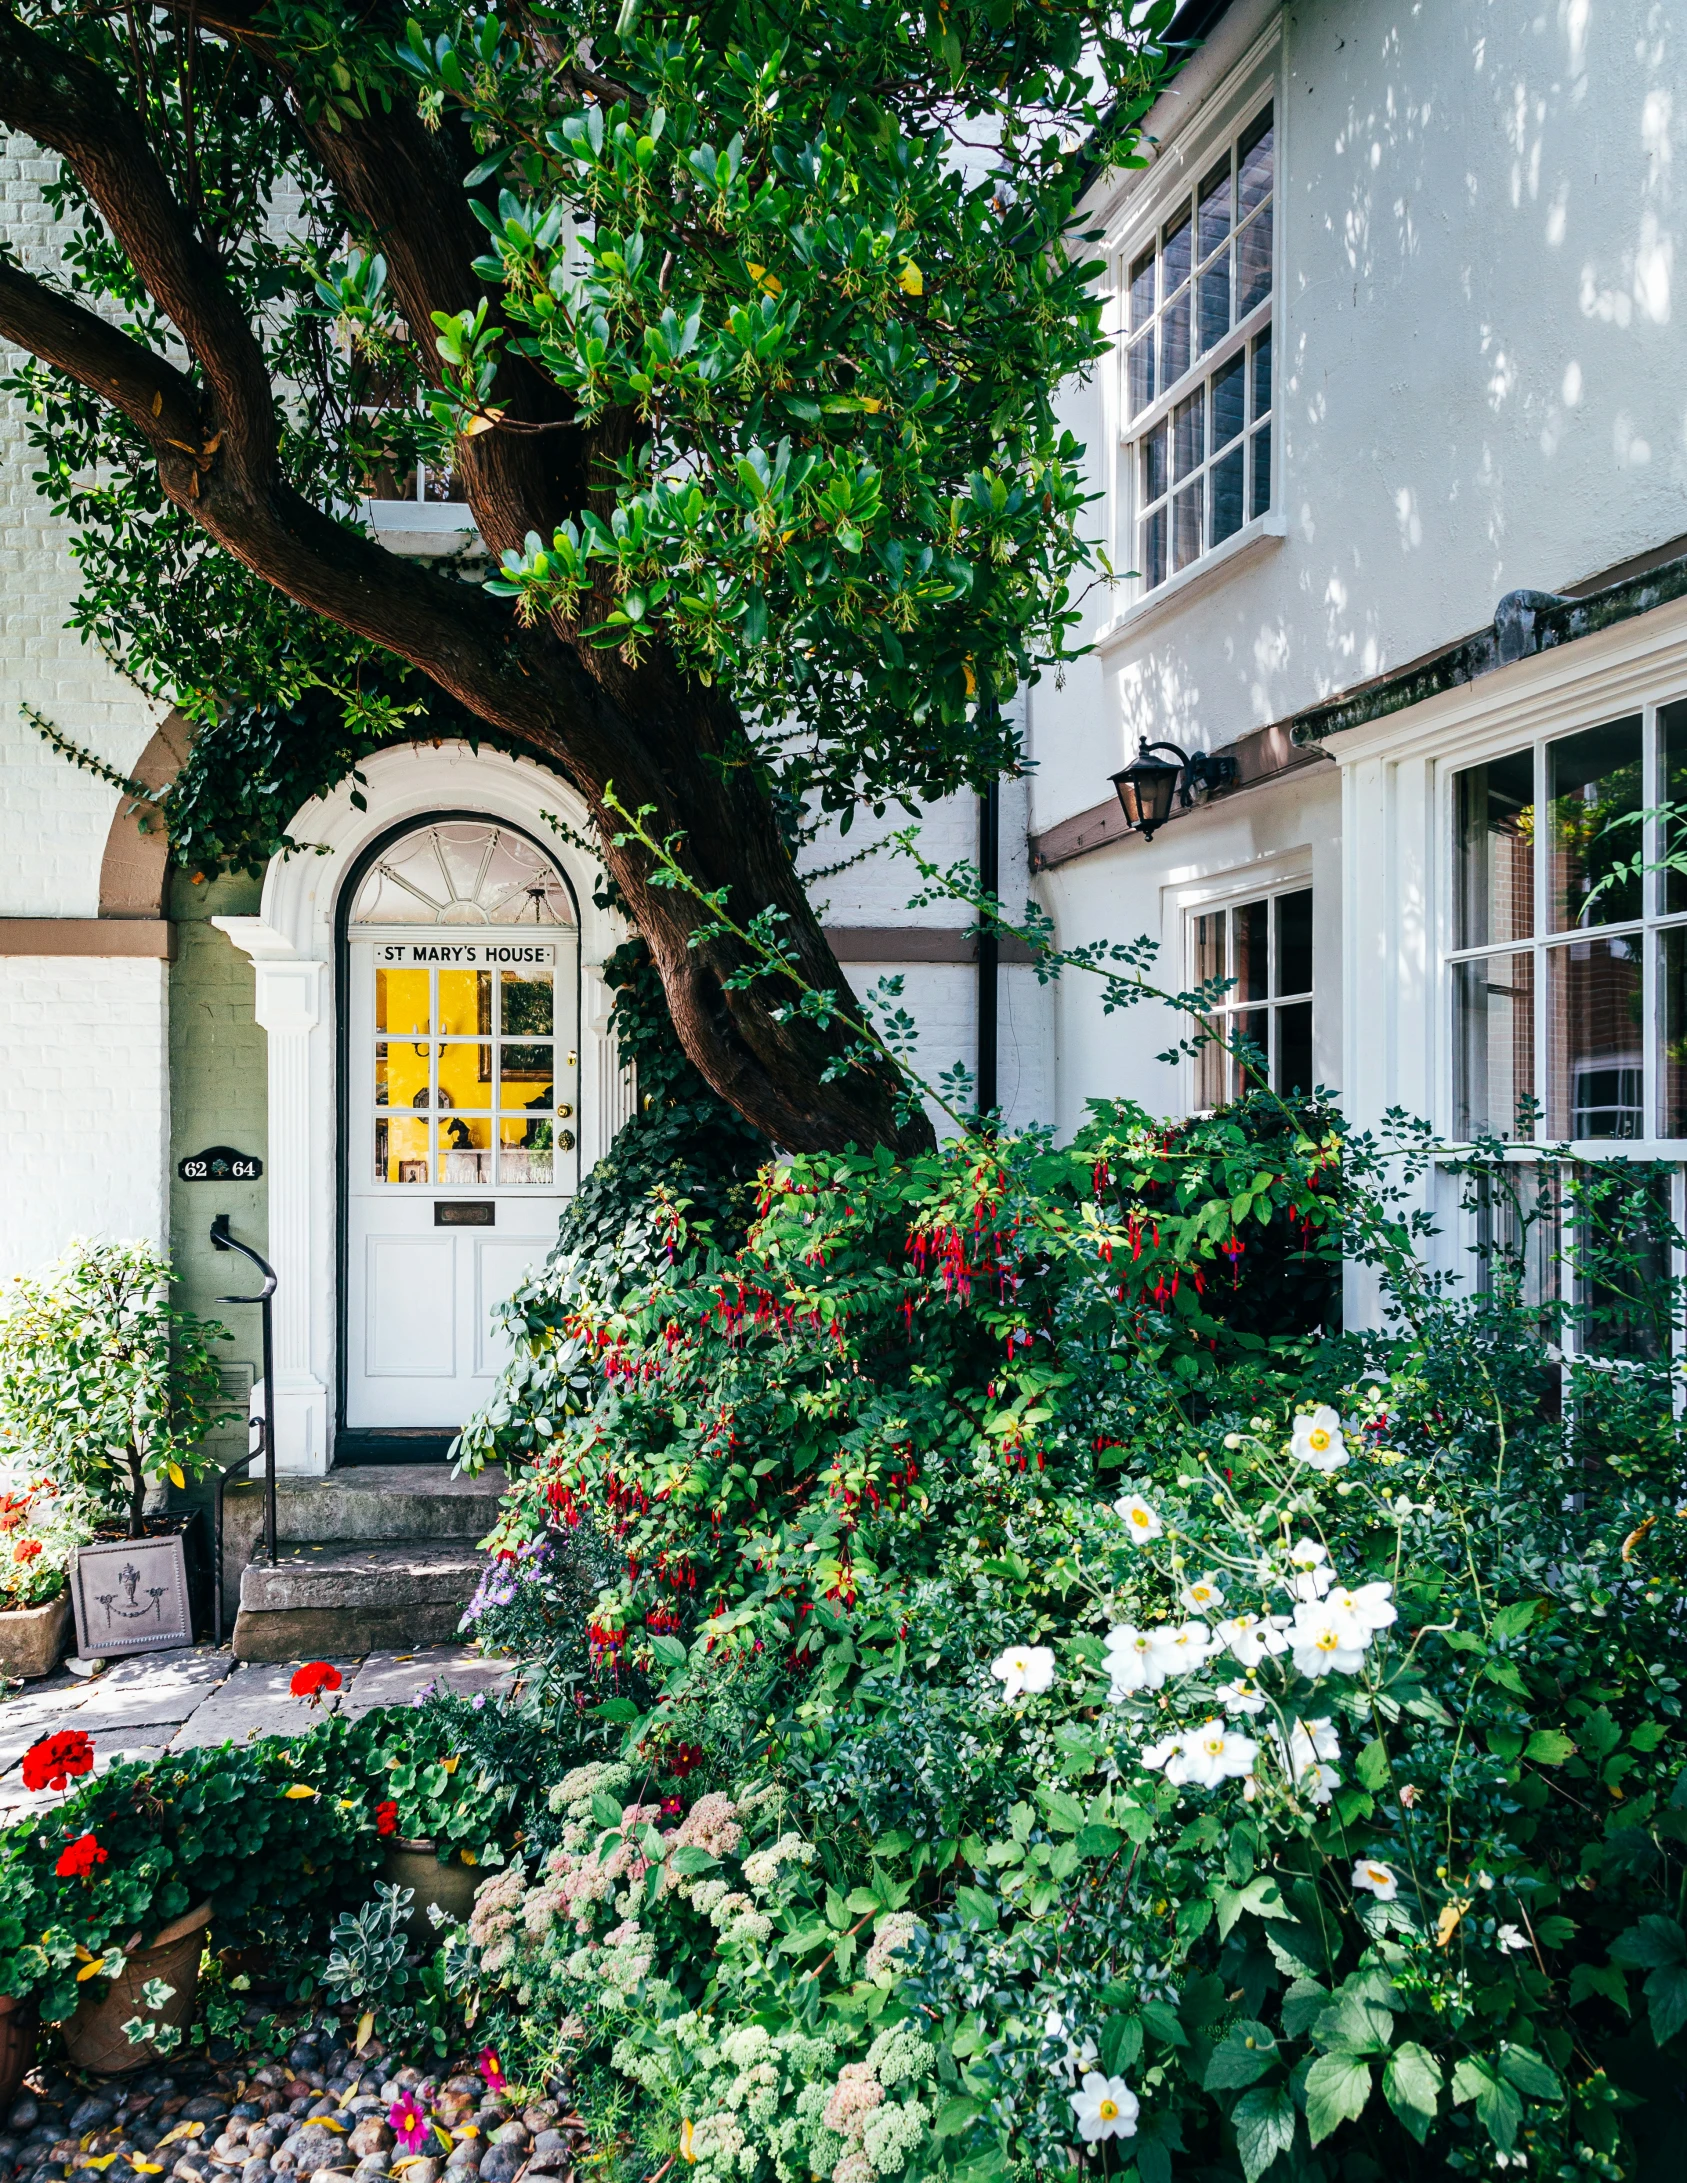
x=1210 y=1754
x=1317 y=1440
x=1321 y=1645
x=1155 y=1756
x=1141 y=1523
x=1133 y=1661
x=1240 y=1697
x=1105 y=2107
x=1077 y=2059
x=1510 y=1941
x=1375 y=1879
x=1024 y=1670
x=1202 y=1596
x=1312 y=1575
x=1251 y=1638
x=1308 y=1757
x=1180 y=1648
x=1360 y=1614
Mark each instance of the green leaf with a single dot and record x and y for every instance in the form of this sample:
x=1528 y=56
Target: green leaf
x=1411 y=2084
x=1653 y=1942
x=973 y=1907
x=1261 y=1896
x=811 y=1936
x=1356 y=2022
x=1120 y=2043
x=954 y=2116
x=691 y=1858
x=1530 y=2074
x=1303 y=2004
x=1337 y=2087
x=1371 y=1766
x=1098 y=1841
x=1244 y=2055
x=668 y=1650
x=1599 y=1978
x=605 y=1809
x=1666 y=2000
x=1264 y=2121
x=1549 y=1747
x=1499 y=2111
x=1512 y=1621
x=1160 y=2018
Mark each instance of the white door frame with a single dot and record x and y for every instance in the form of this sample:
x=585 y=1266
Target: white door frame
x=291 y=944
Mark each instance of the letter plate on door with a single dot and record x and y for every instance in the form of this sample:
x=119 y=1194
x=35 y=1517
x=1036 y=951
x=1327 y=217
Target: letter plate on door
x=466 y=1213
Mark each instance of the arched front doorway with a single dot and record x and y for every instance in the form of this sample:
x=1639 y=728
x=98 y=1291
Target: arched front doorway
x=431 y=847
x=459 y=978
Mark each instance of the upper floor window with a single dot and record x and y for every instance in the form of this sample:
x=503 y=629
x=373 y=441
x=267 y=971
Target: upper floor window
x=1264 y=948
x=1198 y=361
x=1569 y=956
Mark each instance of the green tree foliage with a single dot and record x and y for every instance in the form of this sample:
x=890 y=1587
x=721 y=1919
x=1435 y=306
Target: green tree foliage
x=740 y=333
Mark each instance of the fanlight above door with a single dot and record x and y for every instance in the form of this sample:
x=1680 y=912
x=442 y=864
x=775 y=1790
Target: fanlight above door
x=463 y=872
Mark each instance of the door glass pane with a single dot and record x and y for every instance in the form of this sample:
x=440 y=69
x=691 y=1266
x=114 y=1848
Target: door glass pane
x=1495 y=816
x=1594 y=1030
x=1494 y=1047
x=1294 y=1048
x=403 y=1001
x=401 y=1073
x=401 y=1148
x=1294 y=942
x=465 y=1076
x=1672 y=779
x=465 y=1002
x=1672 y=1032
x=527 y=1001
x=465 y=1148
x=525 y=1152
x=1593 y=787
x=525 y=1076
x=1250 y=966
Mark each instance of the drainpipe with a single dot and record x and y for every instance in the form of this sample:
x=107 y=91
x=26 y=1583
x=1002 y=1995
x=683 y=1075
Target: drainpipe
x=989 y=946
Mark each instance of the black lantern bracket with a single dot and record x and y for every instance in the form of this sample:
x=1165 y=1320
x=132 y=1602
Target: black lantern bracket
x=1147 y=786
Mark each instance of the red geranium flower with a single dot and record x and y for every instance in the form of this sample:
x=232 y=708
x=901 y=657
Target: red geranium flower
x=78 y=1859
x=50 y=1763
x=26 y=1550
x=386 y=1817
x=314 y=1678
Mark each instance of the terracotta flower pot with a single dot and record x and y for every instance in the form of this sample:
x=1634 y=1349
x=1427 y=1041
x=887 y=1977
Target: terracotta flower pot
x=94 y=2038
x=411 y=1863
x=32 y=1638
x=18 y=2025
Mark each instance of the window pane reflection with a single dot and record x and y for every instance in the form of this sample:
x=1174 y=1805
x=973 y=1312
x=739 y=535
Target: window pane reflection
x=1672 y=1032
x=1496 y=851
x=1494 y=1047
x=1593 y=787
x=1595 y=1040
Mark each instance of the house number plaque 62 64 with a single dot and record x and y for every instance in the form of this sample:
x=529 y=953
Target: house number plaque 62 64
x=220 y=1163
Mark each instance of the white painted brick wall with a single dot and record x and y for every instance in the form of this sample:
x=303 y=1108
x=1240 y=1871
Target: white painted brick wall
x=84 y=1103
x=53 y=817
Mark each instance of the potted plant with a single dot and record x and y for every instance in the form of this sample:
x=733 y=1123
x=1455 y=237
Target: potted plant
x=39 y=1536
x=446 y=1774
x=106 y=1387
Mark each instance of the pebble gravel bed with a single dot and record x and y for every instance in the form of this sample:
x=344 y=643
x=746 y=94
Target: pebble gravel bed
x=317 y=2111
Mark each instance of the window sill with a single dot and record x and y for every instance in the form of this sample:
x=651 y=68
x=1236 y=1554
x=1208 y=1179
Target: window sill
x=431 y=529
x=1251 y=543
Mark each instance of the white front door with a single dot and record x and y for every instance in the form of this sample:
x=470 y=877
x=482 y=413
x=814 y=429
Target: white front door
x=462 y=1121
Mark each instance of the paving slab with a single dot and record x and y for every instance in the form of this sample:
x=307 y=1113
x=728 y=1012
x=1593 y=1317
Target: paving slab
x=256 y=1701
x=28 y=1715
x=397 y=1678
x=154 y=1689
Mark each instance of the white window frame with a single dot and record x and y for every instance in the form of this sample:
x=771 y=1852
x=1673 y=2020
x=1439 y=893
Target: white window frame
x=1184 y=162
x=1236 y=891
x=1650 y=1143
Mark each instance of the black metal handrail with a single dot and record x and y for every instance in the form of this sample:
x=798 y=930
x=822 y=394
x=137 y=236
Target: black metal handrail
x=223 y=1240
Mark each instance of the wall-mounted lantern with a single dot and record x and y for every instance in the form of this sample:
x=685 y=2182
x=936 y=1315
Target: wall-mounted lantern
x=1147 y=785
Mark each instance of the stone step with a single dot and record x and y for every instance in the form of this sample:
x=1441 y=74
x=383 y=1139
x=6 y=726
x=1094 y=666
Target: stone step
x=343 y=1596
x=378 y=1503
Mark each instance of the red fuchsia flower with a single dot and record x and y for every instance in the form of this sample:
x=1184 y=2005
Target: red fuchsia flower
x=409 y=2122
x=386 y=1816
x=77 y=1859
x=315 y=1677
x=490 y=2070
x=51 y=1763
